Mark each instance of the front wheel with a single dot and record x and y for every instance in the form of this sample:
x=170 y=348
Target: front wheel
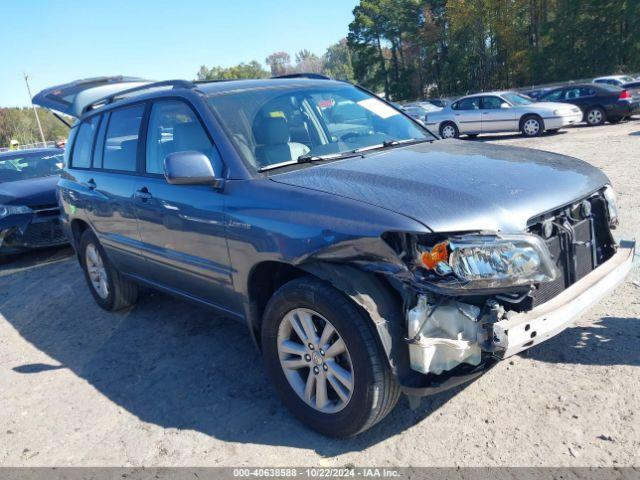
x=532 y=126
x=322 y=357
x=109 y=289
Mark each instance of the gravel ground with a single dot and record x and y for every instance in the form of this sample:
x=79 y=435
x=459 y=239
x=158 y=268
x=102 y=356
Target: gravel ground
x=169 y=384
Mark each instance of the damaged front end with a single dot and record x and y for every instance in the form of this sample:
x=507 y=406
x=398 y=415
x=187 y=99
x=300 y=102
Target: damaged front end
x=477 y=297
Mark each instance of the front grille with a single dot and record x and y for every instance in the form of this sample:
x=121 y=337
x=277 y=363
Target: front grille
x=44 y=233
x=579 y=243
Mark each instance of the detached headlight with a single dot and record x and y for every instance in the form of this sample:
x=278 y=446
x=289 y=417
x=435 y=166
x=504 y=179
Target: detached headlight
x=612 y=205
x=6 y=210
x=480 y=261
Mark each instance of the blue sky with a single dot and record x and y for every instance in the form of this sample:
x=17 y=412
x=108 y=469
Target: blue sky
x=63 y=40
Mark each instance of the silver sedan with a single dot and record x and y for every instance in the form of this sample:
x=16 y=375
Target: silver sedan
x=494 y=112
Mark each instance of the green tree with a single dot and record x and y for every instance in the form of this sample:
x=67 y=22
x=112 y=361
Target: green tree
x=337 y=61
x=20 y=124
x=252 y=69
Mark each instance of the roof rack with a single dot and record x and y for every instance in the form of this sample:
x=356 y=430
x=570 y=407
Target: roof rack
x=111 y=98
x=316 y=76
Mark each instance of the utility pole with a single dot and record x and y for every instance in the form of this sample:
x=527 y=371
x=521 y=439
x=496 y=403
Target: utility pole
x=35 y=112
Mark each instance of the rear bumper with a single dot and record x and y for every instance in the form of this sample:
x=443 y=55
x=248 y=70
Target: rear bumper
x=623 y=109
x=525 y=330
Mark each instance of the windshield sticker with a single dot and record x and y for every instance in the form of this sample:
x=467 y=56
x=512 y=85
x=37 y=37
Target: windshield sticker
x=277 y=115
x=378 y=107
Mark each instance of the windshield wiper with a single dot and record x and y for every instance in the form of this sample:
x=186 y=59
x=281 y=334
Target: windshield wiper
x=309 y=158
x=393 y=143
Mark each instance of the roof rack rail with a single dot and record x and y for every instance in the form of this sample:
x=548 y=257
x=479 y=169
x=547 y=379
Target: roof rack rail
x=316 y=76
x=111 y=98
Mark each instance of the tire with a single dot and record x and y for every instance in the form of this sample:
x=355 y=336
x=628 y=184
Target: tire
x=595 y=116
x=449 y=130
x=531 y=126
x=118 y=293
x=374 y=390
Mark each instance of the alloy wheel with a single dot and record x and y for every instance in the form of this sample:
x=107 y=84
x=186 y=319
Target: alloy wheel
x=315 y=360
x=448 y=132
x=96 y=270
x=594 y=117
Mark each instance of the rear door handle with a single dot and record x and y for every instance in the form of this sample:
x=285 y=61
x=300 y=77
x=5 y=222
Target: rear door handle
x=91 y=184
x=143 y=194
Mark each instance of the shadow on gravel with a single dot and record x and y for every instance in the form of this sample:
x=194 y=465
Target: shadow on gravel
x=635 y=134
x=609 y=341
x=167 y=362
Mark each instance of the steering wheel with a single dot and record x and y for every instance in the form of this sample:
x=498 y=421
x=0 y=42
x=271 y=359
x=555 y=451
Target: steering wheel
x=349 y=135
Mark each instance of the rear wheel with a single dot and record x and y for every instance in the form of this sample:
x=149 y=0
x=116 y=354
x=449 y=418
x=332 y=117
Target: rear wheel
x=595 y=116
x=321 y=354
x=449 y=130
x=109 y=289
x=531 y=126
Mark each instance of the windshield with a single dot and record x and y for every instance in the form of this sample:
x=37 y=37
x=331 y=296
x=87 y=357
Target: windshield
x=30 y=165
x=517 y=99
x=277 y=124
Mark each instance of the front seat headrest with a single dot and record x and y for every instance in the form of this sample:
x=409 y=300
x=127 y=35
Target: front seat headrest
x=273 y=131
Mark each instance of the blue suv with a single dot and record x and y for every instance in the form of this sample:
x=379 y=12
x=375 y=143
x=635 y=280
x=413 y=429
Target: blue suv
x=366 y=257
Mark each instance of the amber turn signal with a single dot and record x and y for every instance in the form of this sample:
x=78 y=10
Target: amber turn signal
x=439 y=253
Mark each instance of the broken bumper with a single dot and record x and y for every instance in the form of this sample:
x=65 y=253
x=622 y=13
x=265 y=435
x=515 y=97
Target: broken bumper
x=527 y=329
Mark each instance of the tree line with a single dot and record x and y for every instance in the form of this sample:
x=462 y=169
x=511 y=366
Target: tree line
x=20 y=124
x=408 y=49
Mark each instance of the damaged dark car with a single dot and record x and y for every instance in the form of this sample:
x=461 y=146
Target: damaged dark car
x=367 y=257
x=28 y=207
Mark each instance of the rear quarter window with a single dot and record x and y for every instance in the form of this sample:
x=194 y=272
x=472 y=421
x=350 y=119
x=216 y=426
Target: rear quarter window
x=81 y=155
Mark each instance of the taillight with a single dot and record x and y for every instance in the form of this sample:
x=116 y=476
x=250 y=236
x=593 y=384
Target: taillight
x=625 y=95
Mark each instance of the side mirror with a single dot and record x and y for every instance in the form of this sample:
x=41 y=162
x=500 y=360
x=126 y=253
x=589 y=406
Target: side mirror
x=190 y=168
x=505 y=105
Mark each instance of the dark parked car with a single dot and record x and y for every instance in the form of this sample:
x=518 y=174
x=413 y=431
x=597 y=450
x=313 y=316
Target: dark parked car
x=28 y=206
x=599 y=102
x=535 y=94
x=633 y=88
x=366 y=257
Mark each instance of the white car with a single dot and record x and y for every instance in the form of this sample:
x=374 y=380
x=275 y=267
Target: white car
x=419 y=110
x=493 y=112
x=616 y=80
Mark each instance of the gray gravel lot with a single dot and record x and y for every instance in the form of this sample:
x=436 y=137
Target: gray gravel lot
x=170 y=384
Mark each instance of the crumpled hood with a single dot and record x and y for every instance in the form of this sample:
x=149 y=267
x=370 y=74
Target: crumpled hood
x=454 y=185
x=33 y=192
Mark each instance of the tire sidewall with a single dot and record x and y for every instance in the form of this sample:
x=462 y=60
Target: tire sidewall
x=455 y=128
x=347 y=421
x=603 y=118
x=540 y=126
x=88 y=237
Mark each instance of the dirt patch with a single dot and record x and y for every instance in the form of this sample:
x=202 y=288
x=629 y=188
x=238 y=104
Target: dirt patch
x=170 y=384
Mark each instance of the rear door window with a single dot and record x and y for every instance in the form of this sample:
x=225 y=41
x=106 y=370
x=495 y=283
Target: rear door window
x=468 y=104
x=121 y=140
x=81 y=156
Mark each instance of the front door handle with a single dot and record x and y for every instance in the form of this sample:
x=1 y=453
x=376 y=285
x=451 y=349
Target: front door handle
x=142 y=194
